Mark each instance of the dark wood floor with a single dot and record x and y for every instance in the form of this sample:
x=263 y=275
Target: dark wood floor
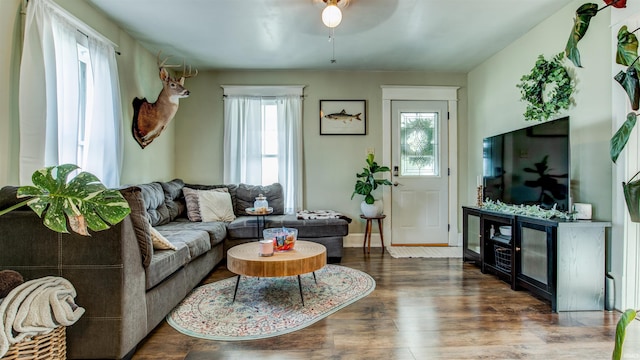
x=420 y=309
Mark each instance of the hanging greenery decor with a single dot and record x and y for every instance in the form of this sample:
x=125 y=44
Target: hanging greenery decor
x=548 y=79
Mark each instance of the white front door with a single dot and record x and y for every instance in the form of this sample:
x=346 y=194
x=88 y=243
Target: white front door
x=420 y=169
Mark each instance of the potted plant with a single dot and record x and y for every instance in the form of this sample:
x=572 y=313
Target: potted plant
x=367 y=183
x=83 y=200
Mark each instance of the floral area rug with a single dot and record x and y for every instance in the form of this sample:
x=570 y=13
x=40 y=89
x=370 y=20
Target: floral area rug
x=267 y=307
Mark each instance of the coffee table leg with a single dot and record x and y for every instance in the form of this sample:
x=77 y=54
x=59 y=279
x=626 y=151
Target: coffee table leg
x=300 y=286
x=314 y=277
x=236 y=289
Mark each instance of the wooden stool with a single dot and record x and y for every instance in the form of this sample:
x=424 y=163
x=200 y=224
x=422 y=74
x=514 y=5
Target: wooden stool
x=367 y=231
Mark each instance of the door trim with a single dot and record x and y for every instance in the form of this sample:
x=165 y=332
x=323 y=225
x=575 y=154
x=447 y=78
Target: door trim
x=428 y=93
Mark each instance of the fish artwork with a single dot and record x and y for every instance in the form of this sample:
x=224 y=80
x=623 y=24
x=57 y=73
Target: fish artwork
x=343 y=116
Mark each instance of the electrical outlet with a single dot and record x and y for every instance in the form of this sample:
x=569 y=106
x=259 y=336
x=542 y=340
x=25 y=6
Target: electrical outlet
x=371 y=151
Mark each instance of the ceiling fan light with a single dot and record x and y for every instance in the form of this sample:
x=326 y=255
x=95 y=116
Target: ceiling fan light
x=331 y=15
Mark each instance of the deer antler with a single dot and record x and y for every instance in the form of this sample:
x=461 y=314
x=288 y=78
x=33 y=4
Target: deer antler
x=189 y=74
x=162 y=64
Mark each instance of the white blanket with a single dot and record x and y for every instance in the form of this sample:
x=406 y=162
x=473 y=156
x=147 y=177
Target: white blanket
x=37 y=307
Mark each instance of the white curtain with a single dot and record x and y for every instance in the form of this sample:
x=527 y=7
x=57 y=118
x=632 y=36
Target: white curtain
x=104 y=135
x=242 y=140
x=290 y=150
x=243 y=144
x=49 y=97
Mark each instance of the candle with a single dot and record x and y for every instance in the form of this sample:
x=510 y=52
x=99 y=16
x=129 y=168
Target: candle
x=479 y=181
x=266 y=247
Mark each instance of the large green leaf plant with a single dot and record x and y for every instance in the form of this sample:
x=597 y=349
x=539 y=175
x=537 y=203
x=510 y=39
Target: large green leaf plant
x=84 y=201
x=367 y=183
x=626 y=55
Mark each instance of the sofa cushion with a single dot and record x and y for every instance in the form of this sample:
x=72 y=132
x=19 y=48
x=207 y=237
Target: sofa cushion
x=140 y=222
x=165 y=263
x=246 y=195
x=313 y=228
x=196 y=240
x=215 y=205
x=217 y=230
x=173 y=197
x=157 y=210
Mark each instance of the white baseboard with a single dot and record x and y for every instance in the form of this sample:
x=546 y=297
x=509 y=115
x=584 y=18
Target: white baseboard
x=356 y=240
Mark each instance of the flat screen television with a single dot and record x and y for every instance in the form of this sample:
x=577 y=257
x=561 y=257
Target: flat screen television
x=529 y=166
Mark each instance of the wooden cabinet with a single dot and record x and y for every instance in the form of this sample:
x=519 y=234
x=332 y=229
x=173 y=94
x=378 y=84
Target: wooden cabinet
x=560 y=261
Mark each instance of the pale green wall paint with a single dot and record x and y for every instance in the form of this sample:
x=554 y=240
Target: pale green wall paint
x=495 y=106
x=138 y=77
x=10 y=35
x=330 y=162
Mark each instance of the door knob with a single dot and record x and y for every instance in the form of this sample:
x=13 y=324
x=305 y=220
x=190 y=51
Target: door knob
x=395 y=183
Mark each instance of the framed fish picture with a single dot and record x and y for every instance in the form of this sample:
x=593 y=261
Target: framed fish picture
x=343 y=117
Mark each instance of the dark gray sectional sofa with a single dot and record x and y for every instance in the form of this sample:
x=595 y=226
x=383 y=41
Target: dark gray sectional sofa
x=127 y=287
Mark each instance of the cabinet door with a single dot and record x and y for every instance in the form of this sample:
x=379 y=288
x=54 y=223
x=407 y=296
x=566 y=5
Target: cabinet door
x=534 y=258
x=471 y=236
x=497 y=252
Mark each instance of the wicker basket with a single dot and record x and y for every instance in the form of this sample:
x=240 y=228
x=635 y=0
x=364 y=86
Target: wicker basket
x=503 y=258
x=51 y=346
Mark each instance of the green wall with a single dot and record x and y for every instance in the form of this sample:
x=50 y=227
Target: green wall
x=495 y=106
x=10 y=39
x=330 y=161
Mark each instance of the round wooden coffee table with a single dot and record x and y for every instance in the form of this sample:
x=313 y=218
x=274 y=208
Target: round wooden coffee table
x=306 y=257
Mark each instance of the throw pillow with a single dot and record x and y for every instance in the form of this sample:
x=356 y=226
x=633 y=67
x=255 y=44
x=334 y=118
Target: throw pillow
x=215 y=205
x=159 y=241
x=193 y=202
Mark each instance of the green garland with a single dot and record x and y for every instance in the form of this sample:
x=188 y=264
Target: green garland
x=527 y=210
x=533 y=85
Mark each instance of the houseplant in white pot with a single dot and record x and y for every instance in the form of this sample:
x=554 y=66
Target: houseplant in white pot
x=367 y=183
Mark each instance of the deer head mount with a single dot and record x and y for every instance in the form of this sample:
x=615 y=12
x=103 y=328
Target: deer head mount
x=149 y=119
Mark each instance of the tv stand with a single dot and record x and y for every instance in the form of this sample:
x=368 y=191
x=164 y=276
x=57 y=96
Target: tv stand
x=558 y=260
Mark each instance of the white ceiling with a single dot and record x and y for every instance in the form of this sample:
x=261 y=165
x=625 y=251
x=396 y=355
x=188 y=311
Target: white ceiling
x=430 y=35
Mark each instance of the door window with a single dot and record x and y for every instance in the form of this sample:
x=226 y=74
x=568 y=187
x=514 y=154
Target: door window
x=419 y=147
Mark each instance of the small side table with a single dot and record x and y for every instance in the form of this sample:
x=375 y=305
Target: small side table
x=367 y=231
x=251 y=211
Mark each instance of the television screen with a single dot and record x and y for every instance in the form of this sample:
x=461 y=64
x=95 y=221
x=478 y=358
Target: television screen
x=529 y=166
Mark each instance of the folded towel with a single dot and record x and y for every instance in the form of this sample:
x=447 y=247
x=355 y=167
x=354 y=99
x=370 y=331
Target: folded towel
x=321 y=214
x=37 y=307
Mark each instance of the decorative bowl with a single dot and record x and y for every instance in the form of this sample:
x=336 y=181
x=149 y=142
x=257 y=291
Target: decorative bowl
x=505 y=230
x=284 y=239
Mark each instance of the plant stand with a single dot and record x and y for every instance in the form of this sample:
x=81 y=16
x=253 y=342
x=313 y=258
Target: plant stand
x=367 y=231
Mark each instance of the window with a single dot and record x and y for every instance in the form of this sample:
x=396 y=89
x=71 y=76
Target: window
x=269 y=142
x=85 y=91
x=263 y=139
x=419 y=144
x=70 y=110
